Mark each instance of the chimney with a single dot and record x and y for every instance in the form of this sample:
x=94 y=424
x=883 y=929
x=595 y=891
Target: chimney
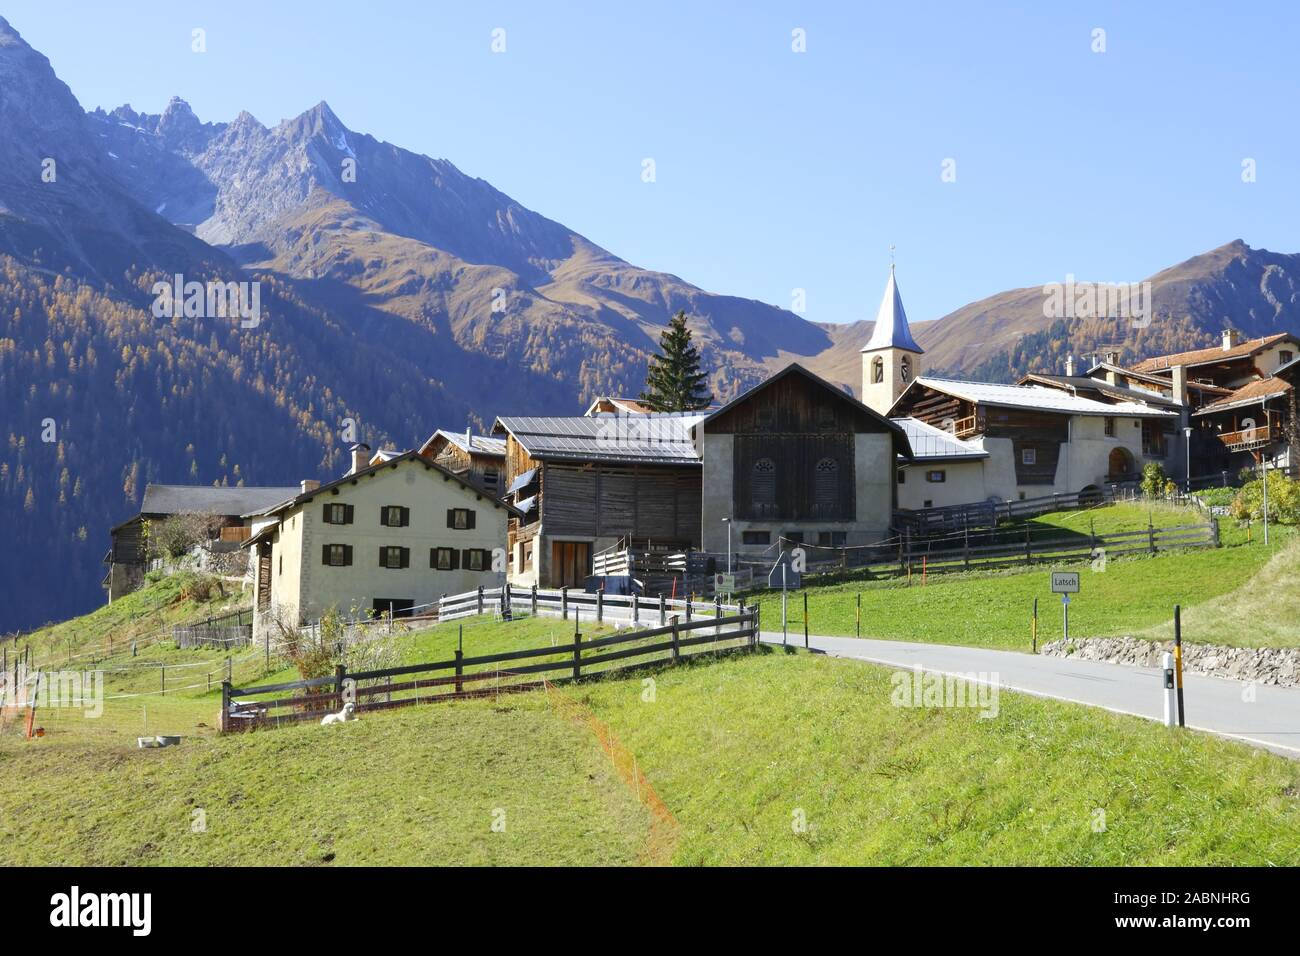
x=1231 y=338
x=1069 y=365
x=360 y=457
x=469 y=438
x=309 y=484
x=1180 y=384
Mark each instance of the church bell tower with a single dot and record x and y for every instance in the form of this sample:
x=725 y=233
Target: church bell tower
x=891 y=360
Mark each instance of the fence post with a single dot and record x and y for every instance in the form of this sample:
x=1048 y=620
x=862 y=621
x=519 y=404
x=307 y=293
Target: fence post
x=1151 y=534
x=600 y=604
x=480 y=602
x=339 y=674
x=577 y=656
x=1033 y=626
x=460 y=672
x=805 y=620
x=266 y=640
x=636 y=606
x=564 y=603
x=690 y=600
x=228 y=677
x=966 y=546
x=225 y=706
x=663 y=619
x=857 y=617
x=1028 y=553
x=717 y=614
x=505 y=601
x=534 y=600
x=677 y=651
x=1214 y=531
x=162 y=668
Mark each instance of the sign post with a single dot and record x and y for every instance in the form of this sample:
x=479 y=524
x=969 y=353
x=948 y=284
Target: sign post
x=1065 y=583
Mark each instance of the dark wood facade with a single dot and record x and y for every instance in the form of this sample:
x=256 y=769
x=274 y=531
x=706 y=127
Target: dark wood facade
x=793 y=450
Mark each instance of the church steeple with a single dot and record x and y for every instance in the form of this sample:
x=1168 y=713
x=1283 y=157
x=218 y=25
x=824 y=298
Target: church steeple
x=891 y=358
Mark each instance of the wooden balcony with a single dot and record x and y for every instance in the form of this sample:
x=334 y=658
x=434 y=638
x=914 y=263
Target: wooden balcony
x=965 y=427
x=1247 y=439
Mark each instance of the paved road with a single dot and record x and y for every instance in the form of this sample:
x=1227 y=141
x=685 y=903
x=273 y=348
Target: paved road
x=1215 y=705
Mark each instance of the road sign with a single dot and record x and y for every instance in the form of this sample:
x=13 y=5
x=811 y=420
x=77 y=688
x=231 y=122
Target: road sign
x=1065 y=582
x=724 y=583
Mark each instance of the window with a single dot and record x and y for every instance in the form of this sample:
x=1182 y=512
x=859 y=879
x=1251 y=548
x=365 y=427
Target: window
x=936 y=477
x=832 y=539
x=826 y=482
x=877 y=370
x=1284 y=356
x=280 y=566
x=394 y=558
x=1029 y=456
x=336 y=555
x=491 y=478
x=905 y=369
x=1110 y=427
x=336 y=513
x=1153 y=440
x=462 y=519
x=902 y=477
x=756 y=537
x=792 y=537
x=476 y=559
x=929 y=502
x=762 y=486
x=444 y=559
x=394 y=516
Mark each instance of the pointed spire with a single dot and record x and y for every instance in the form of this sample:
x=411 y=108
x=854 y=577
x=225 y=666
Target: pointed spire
x=891 y=330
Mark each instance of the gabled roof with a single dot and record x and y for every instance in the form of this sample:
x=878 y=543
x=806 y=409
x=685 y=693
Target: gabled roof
x=1037 y=397
x=1155 y=379
x=1213 y=354
x=634 y=405
x=1252 y=393
x=1121 y=393
x=794 y=368
x=934 y=444
x=662 y=438
x=205 y=499
x=891 y=330
x=477 y=445
x=306 y=496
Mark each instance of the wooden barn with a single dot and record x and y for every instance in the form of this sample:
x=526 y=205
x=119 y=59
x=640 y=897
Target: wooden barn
x=590 y=483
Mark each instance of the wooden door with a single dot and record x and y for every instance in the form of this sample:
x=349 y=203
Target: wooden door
x=570 y=563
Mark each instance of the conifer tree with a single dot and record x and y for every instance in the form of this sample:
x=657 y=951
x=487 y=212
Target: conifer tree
x=674 y=382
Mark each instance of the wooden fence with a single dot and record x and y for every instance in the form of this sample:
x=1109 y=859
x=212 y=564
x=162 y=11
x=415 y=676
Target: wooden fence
x=987 y=514
x=228 y=630
x=568 y=603
x=460 y=678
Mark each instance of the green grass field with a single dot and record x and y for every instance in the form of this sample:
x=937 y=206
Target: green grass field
x=740 y=750
x=1130 y=595
x=764 y=758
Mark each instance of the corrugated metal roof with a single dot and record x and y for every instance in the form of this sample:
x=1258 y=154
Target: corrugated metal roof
x=205 y=499
x=930 y=442
x=1039 y=397
x=658 y=438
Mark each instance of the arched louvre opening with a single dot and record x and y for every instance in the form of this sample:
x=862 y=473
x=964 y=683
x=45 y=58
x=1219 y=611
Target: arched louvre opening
x=826 y=488
x=905 y=369
x=877 y=370
x=762 y=487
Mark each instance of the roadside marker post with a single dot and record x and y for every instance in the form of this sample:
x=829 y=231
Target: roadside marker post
x=1033 y=626
x=805 y=620
x=857 y=618
x=1171 y=701
x=1178 y=662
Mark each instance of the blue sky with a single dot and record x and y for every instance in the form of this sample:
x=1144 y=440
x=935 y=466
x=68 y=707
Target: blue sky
x=778 y=170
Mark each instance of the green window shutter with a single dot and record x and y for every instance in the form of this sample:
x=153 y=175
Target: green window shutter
x=325 y=511
x=433 y=558
x=347 y=514
x=347 y=554
x=455 y=559
x=451 y=517
x=325 y=554
x=469 y=522
x=405 y=557
x=406 y=517
x=382 y=555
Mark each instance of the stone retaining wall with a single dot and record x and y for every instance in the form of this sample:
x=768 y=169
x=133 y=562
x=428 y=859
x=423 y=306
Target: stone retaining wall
x=1260 y=665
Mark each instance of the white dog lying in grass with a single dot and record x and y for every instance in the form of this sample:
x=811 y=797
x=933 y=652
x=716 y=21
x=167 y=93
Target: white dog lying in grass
x=345 y=714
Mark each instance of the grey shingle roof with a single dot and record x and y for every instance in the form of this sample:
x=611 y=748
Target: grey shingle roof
x=205 y=499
